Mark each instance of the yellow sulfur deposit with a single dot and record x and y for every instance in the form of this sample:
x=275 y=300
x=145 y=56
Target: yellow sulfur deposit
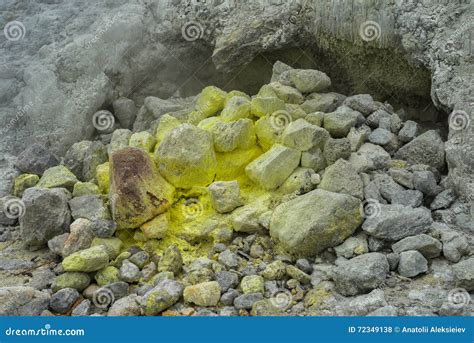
x=224 y=134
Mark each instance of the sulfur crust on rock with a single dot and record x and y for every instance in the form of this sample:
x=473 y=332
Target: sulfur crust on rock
x=186 y=217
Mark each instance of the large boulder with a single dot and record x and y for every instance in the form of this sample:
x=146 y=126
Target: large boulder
x=427 y=148
x=186 y=157
x=46 y=214
x=324 y=219
x=137 y=191
x=394 y=222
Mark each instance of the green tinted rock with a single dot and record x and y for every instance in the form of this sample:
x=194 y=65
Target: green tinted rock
x=88 y=260
x=57 y=177
x=112 y=245
x=236 y=108
x=74 y=280
x=85 y=188
x=23 y=182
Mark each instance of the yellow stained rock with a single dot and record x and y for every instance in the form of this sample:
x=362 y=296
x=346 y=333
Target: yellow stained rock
x=102 y=174
x=210 y=101
x=233 y=93
x=237 y=107
x=137 y=191
x=186 y=157
x=157 y=227
x=267 y=132
x=262 y=106
x=166 y=124
x=143 y=140
x=231 y=165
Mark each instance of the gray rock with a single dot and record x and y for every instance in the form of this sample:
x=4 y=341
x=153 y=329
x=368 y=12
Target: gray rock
x=227 y=280
x=163 y=296
x=443 y=200
x=119 y=289
x=316 y=213
x=229 y=259
x=56 y=244
x=393 y=259
x=355 y=245
x=42 y=279
x=74 y=159
x=373 y=120
x=126 y=306
x=341 y=177
x=273 y=167
x=380 y=136
x=339 y=122
x=46 y=215
x=313 y=159
x=376 y=156
x=227 y=299
x=361 y=274
x=402 y=176
x=125 y=111
x=409 y=197
x=362 y=103
x=306 y=80
x=425 y=182
x=91 y=207
x=62 y=300
x=140 y=259
x=22 y=301
x=95 y=154
x=408 y=132
x=455 y=244
x=83 y=309
x=246 y=301
x=388 y=188
x=427 y=148
x=119 y=140
x=79 y=238
x=426 y=245
x=321 y=102
x=335 y=149
x=363 y=304
x=304 y=265
x=103 y=228
x=412 y=263
x=36 y=159
x=225 y=196
x=464 y=274
x=129 y=272
x=394 y=222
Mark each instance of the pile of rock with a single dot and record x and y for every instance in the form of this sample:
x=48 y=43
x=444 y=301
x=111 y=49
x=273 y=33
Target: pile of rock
x=293 y=201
